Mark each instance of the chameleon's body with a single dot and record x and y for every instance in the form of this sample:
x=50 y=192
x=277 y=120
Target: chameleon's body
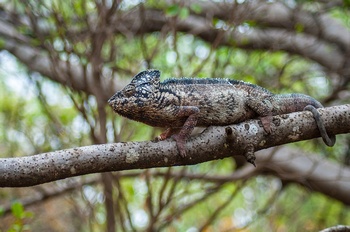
x=183 y=103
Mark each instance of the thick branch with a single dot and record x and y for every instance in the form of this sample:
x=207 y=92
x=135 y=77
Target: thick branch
x=323 y=44
x=42 y=168
x=304 y=45
x=278 y=15
x=38 y=60
x=49 y=191
x=311 y=171
x=301 y=44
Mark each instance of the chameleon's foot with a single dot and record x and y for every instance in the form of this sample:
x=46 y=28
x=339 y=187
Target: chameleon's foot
x=329 y=140
x=180 y=143
x=164 y=135
x=266 y=122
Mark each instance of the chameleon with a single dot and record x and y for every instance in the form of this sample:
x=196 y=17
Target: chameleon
x=180 y=104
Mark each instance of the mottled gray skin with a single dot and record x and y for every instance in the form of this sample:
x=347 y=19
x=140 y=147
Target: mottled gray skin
x=183 y=103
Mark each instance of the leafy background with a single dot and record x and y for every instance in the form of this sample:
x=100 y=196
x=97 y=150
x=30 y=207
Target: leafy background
x=40 y=112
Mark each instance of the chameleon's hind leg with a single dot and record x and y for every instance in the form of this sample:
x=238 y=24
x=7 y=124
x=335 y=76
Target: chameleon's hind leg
x=263 y=107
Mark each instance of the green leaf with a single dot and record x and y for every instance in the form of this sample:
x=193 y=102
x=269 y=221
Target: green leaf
x=172 y=10
x=17 y=209
x=78 y=7
x=299 y=28
x=346 y=3
x=28 y=214
x=2 y=43
x=15 y=228
x=184 y=13
x=215 y=21
x=251 y=23
x=2 y=210
x=196 y=8
x=176 y=10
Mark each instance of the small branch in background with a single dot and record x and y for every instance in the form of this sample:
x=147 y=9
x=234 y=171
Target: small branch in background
x=49 y=192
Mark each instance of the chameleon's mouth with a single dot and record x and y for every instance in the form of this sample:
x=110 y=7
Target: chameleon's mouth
x=111 y=100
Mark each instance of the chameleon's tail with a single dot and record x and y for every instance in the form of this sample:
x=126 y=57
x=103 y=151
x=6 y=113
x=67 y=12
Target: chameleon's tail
x=295 y=102
x=298 y=102
x=327 y=138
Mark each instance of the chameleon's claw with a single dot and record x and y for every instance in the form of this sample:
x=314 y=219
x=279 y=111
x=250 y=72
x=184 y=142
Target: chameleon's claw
x=180 y=143
x=157 y=139
x=165 y=134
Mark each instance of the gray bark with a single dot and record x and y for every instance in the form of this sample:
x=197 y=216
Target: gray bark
x=210 y=145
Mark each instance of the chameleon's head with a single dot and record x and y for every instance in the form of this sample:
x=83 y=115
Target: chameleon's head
x=134 y=99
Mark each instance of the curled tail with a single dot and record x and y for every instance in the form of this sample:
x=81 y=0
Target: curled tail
x=328 y=139
x=288 y=103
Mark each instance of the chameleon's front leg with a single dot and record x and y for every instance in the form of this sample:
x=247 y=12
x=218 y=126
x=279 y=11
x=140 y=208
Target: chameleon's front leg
x=181 y=134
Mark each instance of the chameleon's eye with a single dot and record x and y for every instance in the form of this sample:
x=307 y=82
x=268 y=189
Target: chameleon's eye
x=129 y=90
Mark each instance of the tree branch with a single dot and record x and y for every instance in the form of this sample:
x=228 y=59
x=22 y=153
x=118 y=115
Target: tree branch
x=38 y=60
x=311 y=171
x=49 y=192
x=278 y=15
x=326 y=45
x=306 y=45
x=210 y=145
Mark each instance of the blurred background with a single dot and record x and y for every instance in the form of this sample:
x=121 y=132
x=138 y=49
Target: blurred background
x=60 y=61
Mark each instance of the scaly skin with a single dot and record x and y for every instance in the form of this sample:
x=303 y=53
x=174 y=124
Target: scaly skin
x=183 y=103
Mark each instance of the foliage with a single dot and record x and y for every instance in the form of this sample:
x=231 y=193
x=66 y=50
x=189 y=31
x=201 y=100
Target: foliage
x=45 y=114
x=20 y=218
